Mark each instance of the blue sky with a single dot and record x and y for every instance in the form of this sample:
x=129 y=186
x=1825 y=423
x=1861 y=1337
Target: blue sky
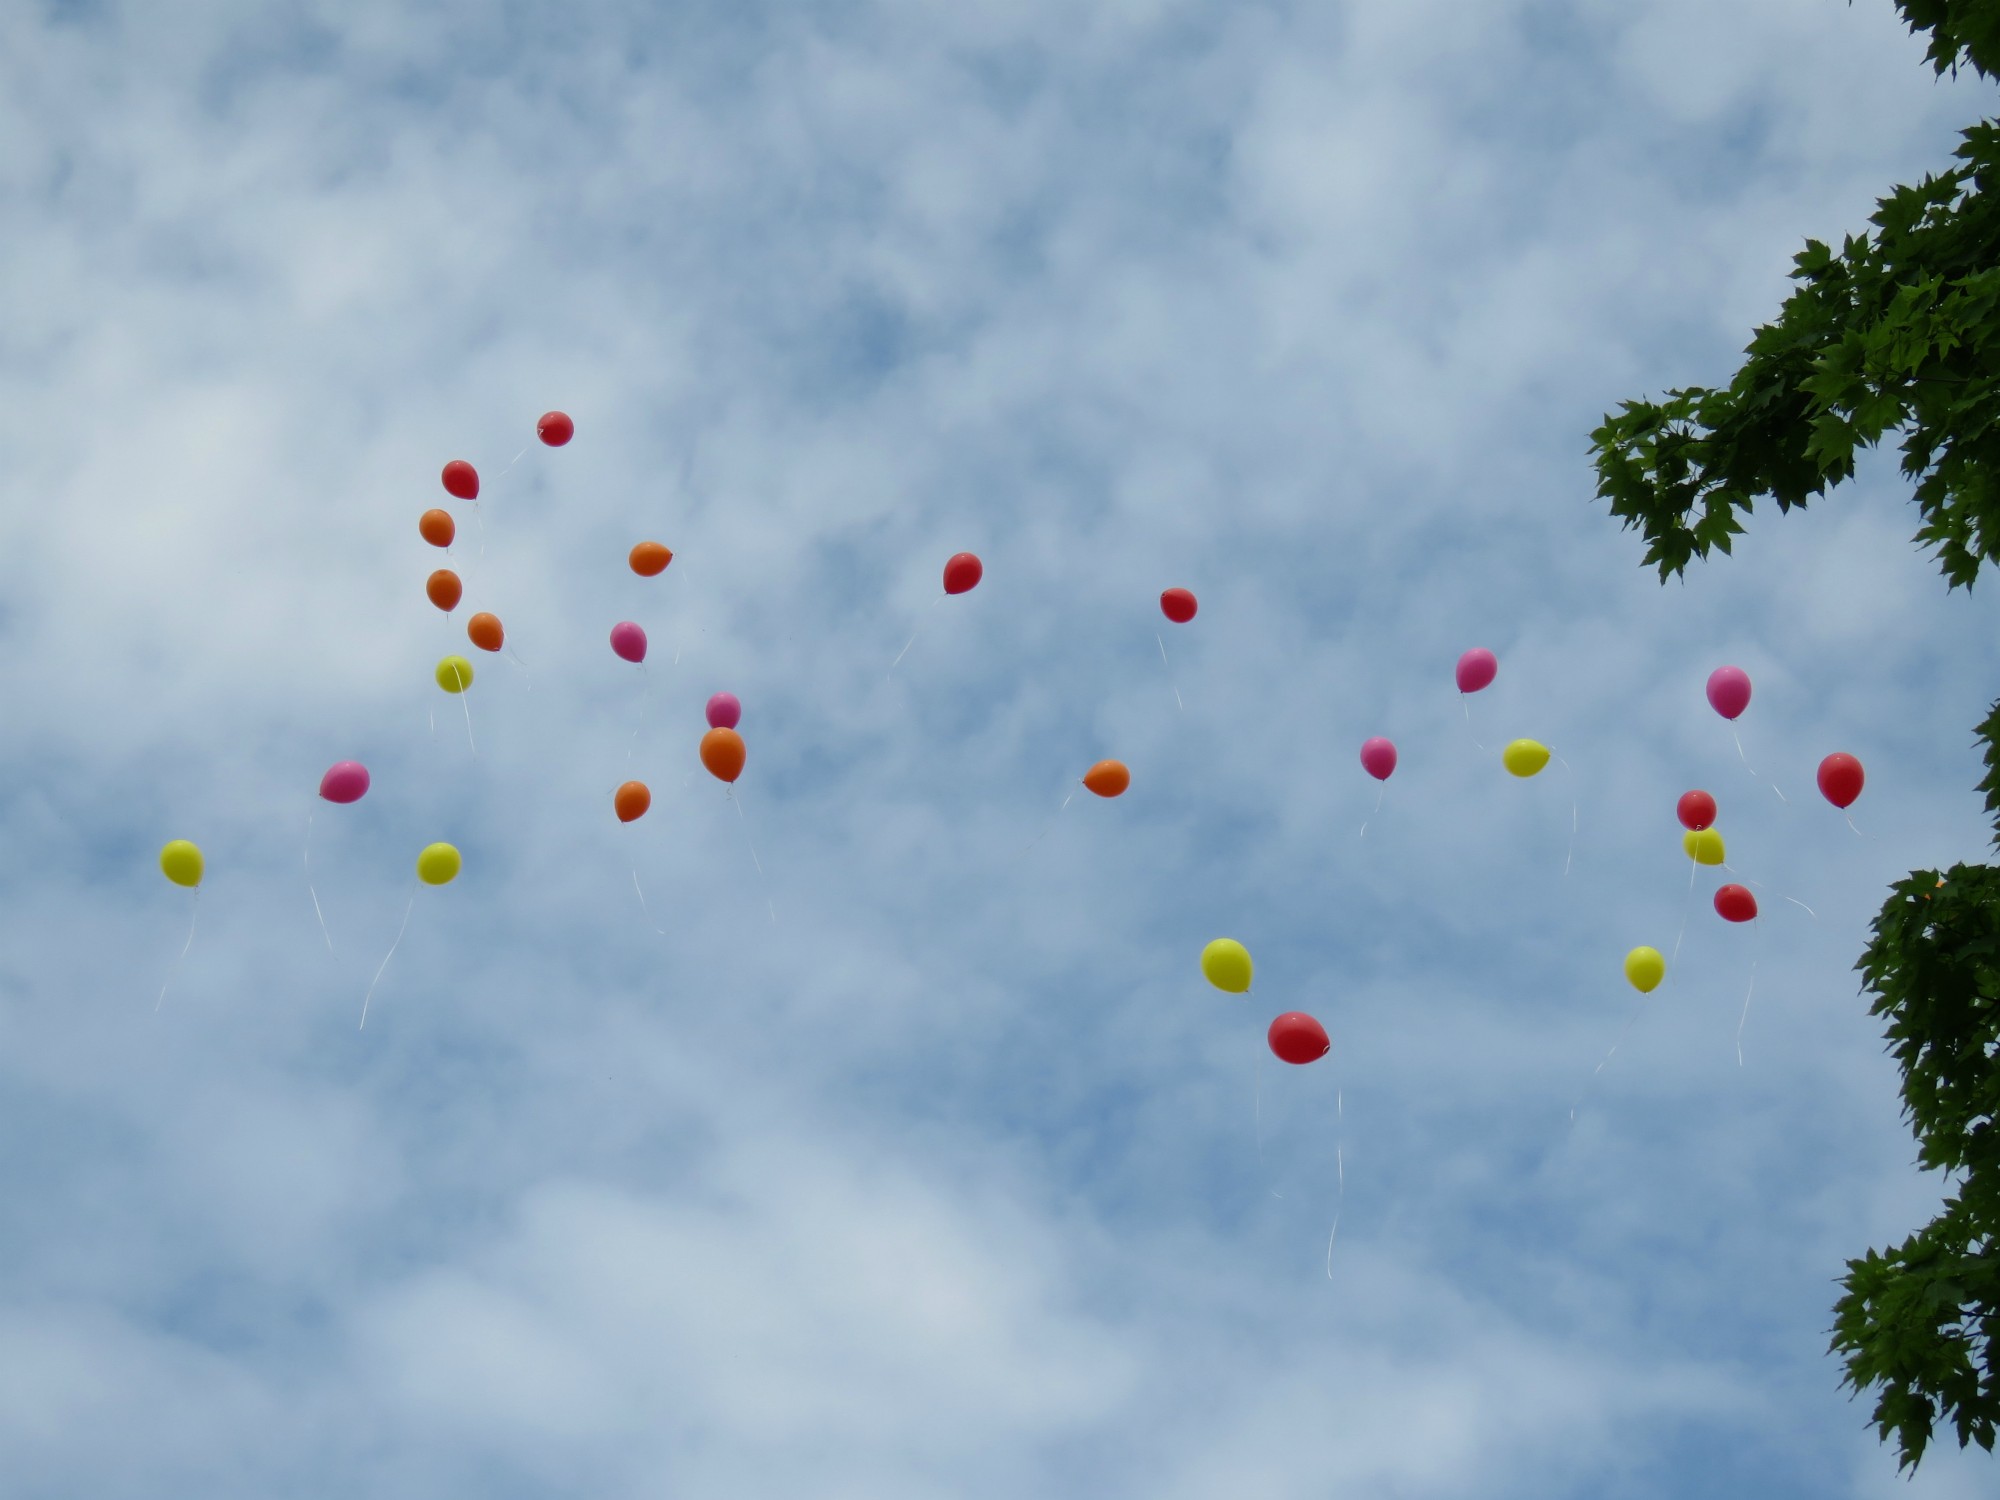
x=913 y=1157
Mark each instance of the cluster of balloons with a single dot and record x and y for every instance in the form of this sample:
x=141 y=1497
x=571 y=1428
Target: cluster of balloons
x=1294 y=1037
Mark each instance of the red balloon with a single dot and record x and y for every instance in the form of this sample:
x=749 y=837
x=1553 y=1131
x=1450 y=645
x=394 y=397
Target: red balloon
x=555 y=428
x=1297 y=1038
x=1696 y=810
x=1177 y=605
x=1734 y=903
x=461 y=479
x=961 y=572
x=1840 y=779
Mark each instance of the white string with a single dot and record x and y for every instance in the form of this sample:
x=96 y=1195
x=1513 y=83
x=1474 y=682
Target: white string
x=1752 y=769
x=642 y=903
x=1740 y=1020
x=912 y=640
x=386 y=957
x=1170 y=671
x=1465 y=702
x=1340 y=1168
x=1570 y=854
x=174 y=967
x=306 y=864
x=1384 y=787
x=731 y=792
x=1686 y=907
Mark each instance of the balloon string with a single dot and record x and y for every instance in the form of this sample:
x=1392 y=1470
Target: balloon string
x=1630 y=1021
x=1570 y=854
x=1257 y=1120
x=468 y=717
x=1465 y=703
x=1752 y=769
x=1850 y=823
x=913 y=639
x=174 y=967
x=1051 y=825
x=1373 y=810
x=1742 y=1019
x=1170 y=671
x=1340 y=1170
x=644 y=909
x=306 y=863
x=645 y=711
x=386 y=957
x=1781 y=895
x=1686 y=907
x=761 y=877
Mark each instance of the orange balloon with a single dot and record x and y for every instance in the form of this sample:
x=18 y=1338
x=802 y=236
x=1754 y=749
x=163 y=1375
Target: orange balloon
x=1107 y=778
x=632 y=799
x=723 y=752
x=484 y=631
x=650 y=559
x=444 y=589
x=436 y=527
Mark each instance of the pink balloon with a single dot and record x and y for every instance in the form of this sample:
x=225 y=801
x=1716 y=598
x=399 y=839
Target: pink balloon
x=628 y=640
x=1729 y=691
x=1378 y=758
x=725 y=711
x=344 y=781
x=1476 y=669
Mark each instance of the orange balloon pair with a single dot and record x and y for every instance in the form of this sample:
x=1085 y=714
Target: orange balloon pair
x=1107 y=778
x=723 y=752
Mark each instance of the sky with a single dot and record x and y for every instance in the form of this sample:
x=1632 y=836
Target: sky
x=867 y=1129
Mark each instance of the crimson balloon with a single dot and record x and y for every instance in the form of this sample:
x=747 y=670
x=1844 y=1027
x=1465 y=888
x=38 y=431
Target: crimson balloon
x=1297 y=1038
x=1696 y=810
x=961 y=572
x=1840 y=779
x=1178 y=605
x=555 y=428
x=1734 y=903
x=461 y=480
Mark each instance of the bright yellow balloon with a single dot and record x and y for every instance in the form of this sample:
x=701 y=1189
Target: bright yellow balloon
x=1525 y=757
x=437 y=864
x=1703 y=845
x=180 y=862
x=454 y=674
x=1226 y=963
x=1645 y=967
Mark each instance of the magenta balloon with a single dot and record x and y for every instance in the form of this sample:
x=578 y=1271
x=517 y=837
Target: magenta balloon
x=1729 y=691
x=1476 y=669
x=725 y=711
x=344 y=781
x=1378 y=758
x=628 y=640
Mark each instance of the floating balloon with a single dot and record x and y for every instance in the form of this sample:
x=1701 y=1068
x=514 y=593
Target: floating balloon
x=437 y=527
x=454 y=674
x=723 y=752
x=1696 y=810
x=628 y=640
x=1107 y=778
x=344 y=781
x=484 y=631
x=461 y=480
x=1297 y=1038
x=1734 y=903
x=1645 y=967
x=555 y=428
x=650 y=559
x=725 y=711
x=961 y=571
x=1729 y=691
x=1840 y=779
x=1178 y=605
x=1477 y=669
x=1378 y=757
x=180 y=862
x=444 y=589
x=1225 y=963
x=631 y=801
x=1525 y=757
x=437 y=865
x=1704 y=846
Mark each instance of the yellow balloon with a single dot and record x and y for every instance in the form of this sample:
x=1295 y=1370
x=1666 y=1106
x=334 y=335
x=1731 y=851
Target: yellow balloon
x=1226 y=963
x=180 y=862
x=1703 y=845
x=1525 y=757
x=1645 y=967
x=454 y=674
x=437 y=864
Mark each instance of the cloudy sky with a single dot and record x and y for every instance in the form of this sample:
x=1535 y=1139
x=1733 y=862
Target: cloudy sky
x=896 y=1147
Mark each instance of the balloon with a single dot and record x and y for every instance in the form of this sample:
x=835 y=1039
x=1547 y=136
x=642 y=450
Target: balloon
x=1525 y=757
x=444 y=589
x=461 y=480
x=1107 y=778
x=723 y=752
x=1696 y=810
x=725 y=711
x=1645 y=967
x=484 y=631
x=650 y=559
x=1734 y=903
x=1298 y=1038
x=555 y=428
x=1226 y=964
x=344 y=781
x=1177 y=605
x=436 y=527
x=1703 y=845
x=1729 y=691
x=438 y=864
x=628 y=640
x=454 y=674
x=1476 y=669
x=180 y=862
x=961 y=571
x=1840 y=779
x=1378 y=757
x=631 y=801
